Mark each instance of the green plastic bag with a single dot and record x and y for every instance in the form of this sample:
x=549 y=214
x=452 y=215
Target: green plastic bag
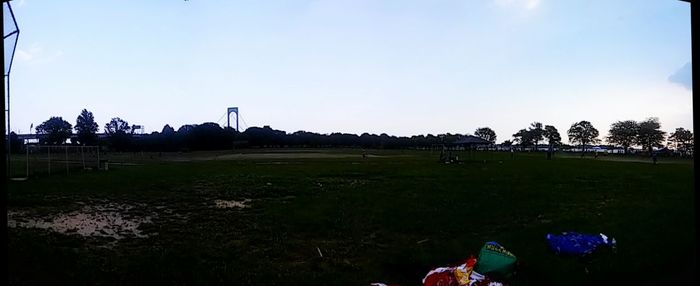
x=495 y=261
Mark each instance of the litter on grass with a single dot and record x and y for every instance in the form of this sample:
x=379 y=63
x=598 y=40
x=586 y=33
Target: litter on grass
x=495 y=261
x=494 y=264
x=578 y=244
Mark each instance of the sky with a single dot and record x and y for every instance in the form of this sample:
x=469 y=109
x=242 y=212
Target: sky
x=400 y=67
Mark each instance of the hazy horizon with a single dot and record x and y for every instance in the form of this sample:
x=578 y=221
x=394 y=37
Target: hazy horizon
x=397 y=67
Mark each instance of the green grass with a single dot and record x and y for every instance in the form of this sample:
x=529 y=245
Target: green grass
x=366 y=216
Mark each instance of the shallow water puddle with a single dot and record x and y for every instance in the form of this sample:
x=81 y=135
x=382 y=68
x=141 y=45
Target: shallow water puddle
x=98 y=221
x=227 y=204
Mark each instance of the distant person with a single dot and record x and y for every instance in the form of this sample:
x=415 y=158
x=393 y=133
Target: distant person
x=653 y=158
x=595 y=155
x=512 y=153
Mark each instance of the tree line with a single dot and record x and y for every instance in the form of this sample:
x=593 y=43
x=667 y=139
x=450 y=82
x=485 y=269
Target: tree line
x=625 y=134
x=211 y=136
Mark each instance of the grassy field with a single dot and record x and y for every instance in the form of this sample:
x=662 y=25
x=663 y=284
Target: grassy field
x=339 y=219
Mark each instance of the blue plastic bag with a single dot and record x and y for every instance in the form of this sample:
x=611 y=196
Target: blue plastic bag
x=577 y=244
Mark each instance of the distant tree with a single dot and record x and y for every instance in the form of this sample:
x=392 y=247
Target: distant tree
x=552 y=135
x=536 y=132
x=682 y=139
x=167 y=130
x=507 y=143
x=118 y=133
x=208 y=136
x=117 y=125
x=583 y=133
x=486 y=133
x=184 y=129
x=54 y=131
x=524 y=138
x=623 y=133
x=266 y=136
x=650 y=134
x=553 y=138
x=86 y=128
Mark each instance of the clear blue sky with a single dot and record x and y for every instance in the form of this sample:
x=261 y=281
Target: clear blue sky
x=399 y=67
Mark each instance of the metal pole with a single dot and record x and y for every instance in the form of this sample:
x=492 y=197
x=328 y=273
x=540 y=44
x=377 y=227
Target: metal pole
x=66 y=159
x=27 y=149
x=49 y=152
x=12 y=14
x=9 y=140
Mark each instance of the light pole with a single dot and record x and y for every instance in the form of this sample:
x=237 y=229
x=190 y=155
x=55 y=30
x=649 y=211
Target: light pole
x=9 y=38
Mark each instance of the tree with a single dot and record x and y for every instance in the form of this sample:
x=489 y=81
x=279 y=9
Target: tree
x=86 y=128
x=583 y=133
x=683 y=139
x=117 y=125
x=486 y=133
x=623 y=133
x=553 y=138
x=536 y=132
x=650 y=135
x=507 y=143
x=54 y=131
x=552 y=135
x=184 y=129
x=524 y=138
x=118 y=131
x=208 y=136
x=167 y=130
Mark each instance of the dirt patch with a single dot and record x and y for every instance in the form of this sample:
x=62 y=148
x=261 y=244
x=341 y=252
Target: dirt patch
x=90 y=221
x=227 y=204
x=339 y=181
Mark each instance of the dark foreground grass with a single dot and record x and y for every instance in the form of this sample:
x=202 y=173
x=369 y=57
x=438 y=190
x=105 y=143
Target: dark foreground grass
x=387 y=219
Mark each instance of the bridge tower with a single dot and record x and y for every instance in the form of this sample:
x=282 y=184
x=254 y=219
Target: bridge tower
x=228 y=116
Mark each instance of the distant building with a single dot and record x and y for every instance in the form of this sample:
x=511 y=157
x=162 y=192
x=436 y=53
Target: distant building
x=471 y=142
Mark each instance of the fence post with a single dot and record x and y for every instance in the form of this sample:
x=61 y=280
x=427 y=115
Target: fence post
x=49 y=152
x=26 y=146
x=66 y=159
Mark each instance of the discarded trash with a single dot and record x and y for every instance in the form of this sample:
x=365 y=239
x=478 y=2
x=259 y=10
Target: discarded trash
x=422 y=241
x=577 y=244
x=462 y=275
x=495 y=261
x=440 y=276
x=463 y=272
